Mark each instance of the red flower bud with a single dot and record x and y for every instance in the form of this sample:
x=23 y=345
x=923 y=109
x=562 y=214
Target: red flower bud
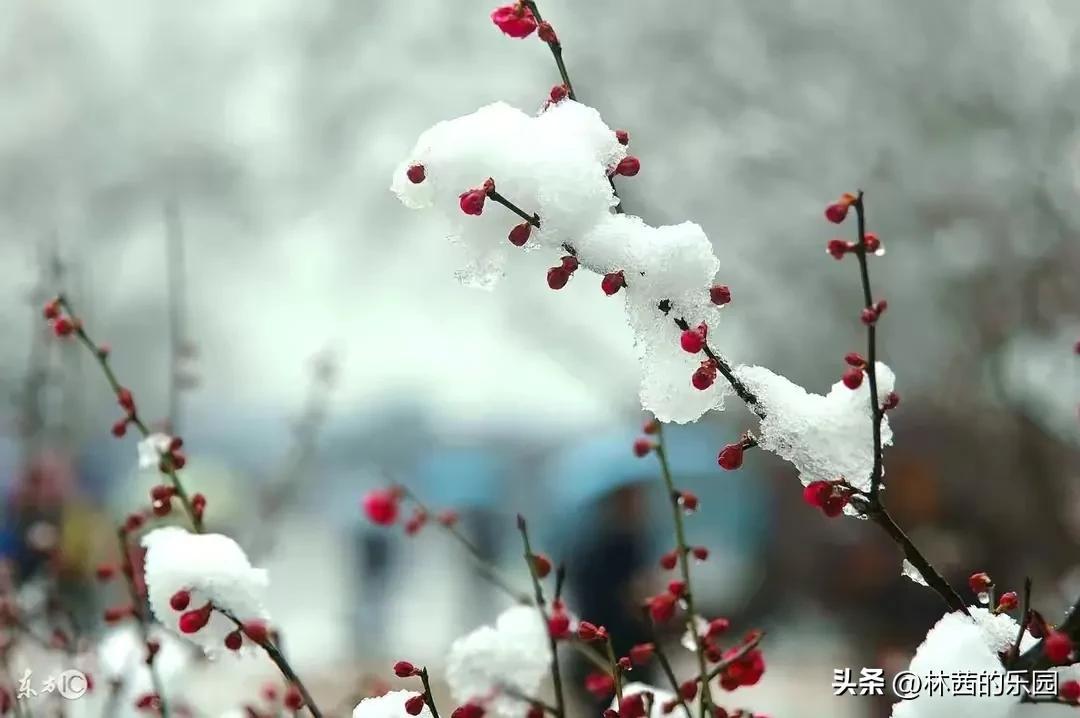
x=589 y=632
x=541 y=565
x=880 y=306
x=559 y=625
x=677 y=588
x=979 y=582
x=52 y=309
x=404 y=669
x=642 y=447
x=557 y=277
x=692 y=341
x=63 y=327
x=816 y=493
x=669 y=560
x=892 y=400
x=716 y=627
x=558 y=94
x=852 y=378
x=651 y=426
x=730 y=457
x=234 y=640
x=720 y=294
x=1070 y=691
x=622 y=136
x=257 y=630
x=613 y=282
x=872 y=242
x=547 y=33
x=836 y=212
x=1007 y=602
x=628 y=166
x=1058 y=647
x=416 y=173
x=515 y=20
x=381 y=507
x=414 y=704
x=704 y=376
x=126 y=400
x=838 y=248
x=519 y=235
x=293 y=699
x=600 y=685
x=472 y=202
x=119 y=428
x=105 y=572
x=700 y=553
x=868 y=316
x=854 y=359
x=642 y=653
x=662 y=607
x=193 y=621
x=688 y=690
x=688 y=500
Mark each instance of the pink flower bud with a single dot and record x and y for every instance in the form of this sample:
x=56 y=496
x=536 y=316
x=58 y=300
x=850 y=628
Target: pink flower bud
x=381 y=507
x=515 y=20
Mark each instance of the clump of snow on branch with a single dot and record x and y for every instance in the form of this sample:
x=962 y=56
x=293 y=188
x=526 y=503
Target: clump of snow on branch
x=513 y=654
x=214 y=570
x=825 y=437
x=388 y=705
x=556 y=165
x=913 y=573
x=151 y=449
x=121 y=657
x=659 y=699
x=958 y=643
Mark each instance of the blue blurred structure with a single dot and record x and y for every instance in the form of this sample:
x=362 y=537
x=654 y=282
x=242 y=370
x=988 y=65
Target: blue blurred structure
x=734 y=505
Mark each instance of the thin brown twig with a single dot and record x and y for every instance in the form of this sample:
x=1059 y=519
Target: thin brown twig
x=538 y=590
x=876 y=412
x=683 y=550
x=138 y=603
x=102 y=359
x=277 y=656
x=665 y=664
x=429 y=697
x=737 y=656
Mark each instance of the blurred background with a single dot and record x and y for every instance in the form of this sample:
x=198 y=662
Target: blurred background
x=208 y=183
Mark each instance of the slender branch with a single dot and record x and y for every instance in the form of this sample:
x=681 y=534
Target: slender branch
x=274 y=652
x=665 y=664
x=556 y=52
x=1025 y=617
x=429 y=697
x=515 y=693
x=533 y=219
x=138 y=602
x=683 y=549
x=616 y=672
x=744 y=649
x=556 y=674
x=876 y=412
x=102 y=359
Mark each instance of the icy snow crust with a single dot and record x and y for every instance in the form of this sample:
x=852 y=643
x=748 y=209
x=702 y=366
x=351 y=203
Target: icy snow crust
x=556 y=164
x=213 y=568
x=388 y=705
x=825 y=437
x=957 y=644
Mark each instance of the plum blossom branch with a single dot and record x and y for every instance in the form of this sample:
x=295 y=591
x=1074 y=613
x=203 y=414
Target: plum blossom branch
x=745 y=649
x=665 y=663
x=870 y=315
x=429 y=697
x=142 y=620
x=70 y=324
x=258 y=632
x=548 y=36
x=683 y=550
x=538 y=590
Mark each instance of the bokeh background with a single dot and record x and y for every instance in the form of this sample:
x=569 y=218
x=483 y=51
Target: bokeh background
x=208 y=183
